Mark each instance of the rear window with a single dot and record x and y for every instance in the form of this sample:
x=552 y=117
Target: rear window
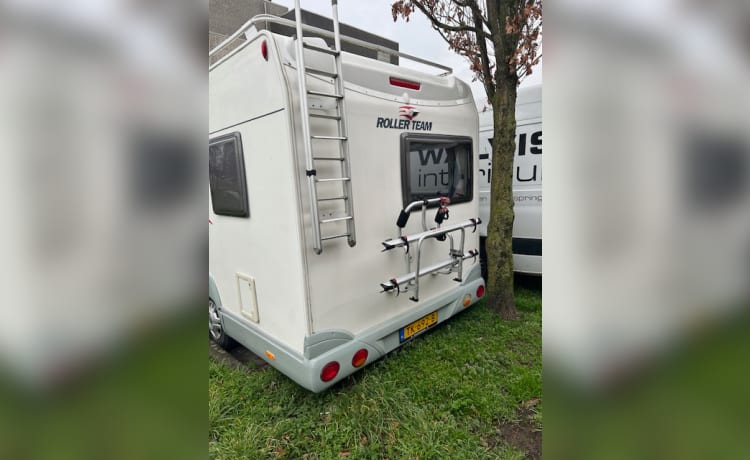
x=226 y=169
x=433 y=166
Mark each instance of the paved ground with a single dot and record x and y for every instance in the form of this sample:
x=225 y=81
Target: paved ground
x=238 y=357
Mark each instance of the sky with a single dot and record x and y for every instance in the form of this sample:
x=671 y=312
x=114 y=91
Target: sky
x=415 y=37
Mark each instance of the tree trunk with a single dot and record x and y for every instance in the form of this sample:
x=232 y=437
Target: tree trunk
x=500 y=227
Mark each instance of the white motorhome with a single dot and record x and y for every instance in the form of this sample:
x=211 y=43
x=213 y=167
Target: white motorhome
x=527 y=181
x=317 y=158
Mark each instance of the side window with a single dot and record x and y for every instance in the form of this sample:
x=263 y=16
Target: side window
x=226 y=170
x=434 y=166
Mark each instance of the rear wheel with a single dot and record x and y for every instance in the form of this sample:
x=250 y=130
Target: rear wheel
x=216 y=327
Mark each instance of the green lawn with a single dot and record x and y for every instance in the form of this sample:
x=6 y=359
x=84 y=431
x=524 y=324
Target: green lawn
x=453 y=393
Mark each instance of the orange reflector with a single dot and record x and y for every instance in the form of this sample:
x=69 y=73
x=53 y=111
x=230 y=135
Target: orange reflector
x=467 y=300
x=270 y=355
x=360 y=357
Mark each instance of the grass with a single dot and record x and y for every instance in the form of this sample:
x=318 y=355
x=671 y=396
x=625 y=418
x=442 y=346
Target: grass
x=446 y=395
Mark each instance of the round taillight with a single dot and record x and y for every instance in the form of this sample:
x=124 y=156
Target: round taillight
x=330 y=371
x=359 y=358
x=480 y=291
x=264 y=49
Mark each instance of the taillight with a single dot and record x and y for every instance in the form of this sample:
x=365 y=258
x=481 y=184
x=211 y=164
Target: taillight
x=360 y=357
x=264 y=49
x=405 y=83
x=480 y=291
x=330 y=371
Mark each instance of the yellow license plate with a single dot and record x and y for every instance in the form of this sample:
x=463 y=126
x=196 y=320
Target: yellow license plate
x=418 y=326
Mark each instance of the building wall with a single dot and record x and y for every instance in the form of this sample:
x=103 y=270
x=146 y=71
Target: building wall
x=226 y=16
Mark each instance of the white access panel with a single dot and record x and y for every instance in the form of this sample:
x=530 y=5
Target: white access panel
x=248 y=298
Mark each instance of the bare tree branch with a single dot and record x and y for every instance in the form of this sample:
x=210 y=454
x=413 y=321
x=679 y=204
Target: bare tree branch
x=439 y=24
x=489 y=84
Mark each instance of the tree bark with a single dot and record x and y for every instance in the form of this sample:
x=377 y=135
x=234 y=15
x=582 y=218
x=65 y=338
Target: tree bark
x=500 y=295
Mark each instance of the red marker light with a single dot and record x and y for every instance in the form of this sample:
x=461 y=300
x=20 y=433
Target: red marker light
x=405 y=83
x=330 y=371
x=480 y=291
x=264 y=49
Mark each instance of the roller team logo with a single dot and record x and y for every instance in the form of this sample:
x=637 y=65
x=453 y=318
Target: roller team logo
x=408 y=112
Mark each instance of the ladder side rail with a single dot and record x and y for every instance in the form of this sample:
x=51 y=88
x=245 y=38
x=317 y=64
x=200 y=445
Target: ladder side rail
x=343 y=128
x=336 y=30
x=267 y=18
x=306 y=139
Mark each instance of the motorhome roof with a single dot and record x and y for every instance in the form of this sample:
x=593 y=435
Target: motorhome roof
x=375 y=75
x=371 y=75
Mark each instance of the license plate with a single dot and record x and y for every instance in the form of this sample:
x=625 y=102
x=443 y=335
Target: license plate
x=417 y=326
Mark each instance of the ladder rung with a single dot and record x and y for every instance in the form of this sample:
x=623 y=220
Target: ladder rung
x=334 y=198
x=334 y=237
x=335 y=219
x=327 y=159
x=318 y=48
x=330 y=138
x=334 y=179
x=329 y=117
x=320 y=93
x=324 y=73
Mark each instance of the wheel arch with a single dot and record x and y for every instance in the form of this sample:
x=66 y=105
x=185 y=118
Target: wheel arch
x=213 y=291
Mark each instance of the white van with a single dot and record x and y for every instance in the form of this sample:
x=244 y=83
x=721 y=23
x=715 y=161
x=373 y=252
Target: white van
x=317 y=159
x=527 y=181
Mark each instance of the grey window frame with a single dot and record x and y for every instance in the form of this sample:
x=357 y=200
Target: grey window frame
x=237 y=139
x=408 y=137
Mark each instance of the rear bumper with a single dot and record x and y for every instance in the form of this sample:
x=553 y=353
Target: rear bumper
x=378 y=340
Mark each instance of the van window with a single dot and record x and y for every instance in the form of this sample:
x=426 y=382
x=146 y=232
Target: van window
x=226 y=170
x=434 y=166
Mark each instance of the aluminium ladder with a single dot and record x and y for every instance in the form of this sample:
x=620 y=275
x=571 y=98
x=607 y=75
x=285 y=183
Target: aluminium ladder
x=341 y=137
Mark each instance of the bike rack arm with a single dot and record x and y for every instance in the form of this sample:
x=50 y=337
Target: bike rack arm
x=408 y=239
x=403 y=217
x=394 y=283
